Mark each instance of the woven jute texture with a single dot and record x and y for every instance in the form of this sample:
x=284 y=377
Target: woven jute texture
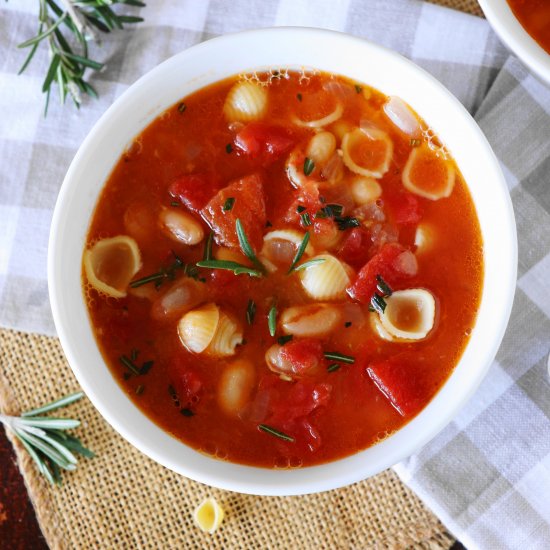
x=468 y=6
x=122 y=499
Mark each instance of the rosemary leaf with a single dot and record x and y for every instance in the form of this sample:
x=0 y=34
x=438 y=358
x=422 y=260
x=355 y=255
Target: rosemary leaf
x=250 y=311
x=245 y=246
x=309 y=166
x=299 y=253
x=336 y=356
x=272 y=320
x=309 y=263
x=207 y=254
x=57 y=404
x=48 y=422
x=236 y=267
x=272 y=431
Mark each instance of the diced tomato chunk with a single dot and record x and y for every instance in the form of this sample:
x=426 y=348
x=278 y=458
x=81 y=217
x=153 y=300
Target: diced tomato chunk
x=355 y=247
x=405 y=208
x=304 y=355
x=194 y=190
x=264 y=142
x=306 y=200
x=248 y=206
x=186 y=381
x=393 y=263
x=401 y=379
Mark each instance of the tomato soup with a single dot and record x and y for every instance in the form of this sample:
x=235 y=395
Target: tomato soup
x=534 y=16
x=283 y=268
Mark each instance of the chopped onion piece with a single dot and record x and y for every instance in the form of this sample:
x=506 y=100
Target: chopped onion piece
x=402 y=116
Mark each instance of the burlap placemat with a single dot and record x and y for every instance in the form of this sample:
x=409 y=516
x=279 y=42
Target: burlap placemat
x=122 y=499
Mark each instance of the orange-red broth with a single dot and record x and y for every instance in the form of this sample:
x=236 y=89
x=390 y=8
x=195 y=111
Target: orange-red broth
x=193 y=139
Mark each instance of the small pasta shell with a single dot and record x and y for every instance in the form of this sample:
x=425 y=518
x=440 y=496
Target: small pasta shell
x=321 y=147
x=365 y=190
x=245 y=101
x=280 y=246
x=327 y=280
x=208 y=515
x=227 y=337
x=320 y=122
x=409 y=314
x=312 y=320
x=197 y=328
x=111 y=263
x=181 y=226
x=235 y=386
x=428 y=175
x=367 y=145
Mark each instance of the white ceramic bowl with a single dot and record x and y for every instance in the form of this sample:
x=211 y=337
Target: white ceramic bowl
x=510 y=31
x=207 y=63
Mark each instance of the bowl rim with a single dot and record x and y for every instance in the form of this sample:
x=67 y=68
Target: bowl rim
x=504 y=22
x=249 y=479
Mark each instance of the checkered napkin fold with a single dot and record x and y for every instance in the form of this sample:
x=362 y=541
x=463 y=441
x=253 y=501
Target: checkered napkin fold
x=487 y=475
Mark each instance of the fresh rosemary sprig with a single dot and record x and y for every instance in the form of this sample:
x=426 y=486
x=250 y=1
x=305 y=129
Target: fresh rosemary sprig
x=272 y=320
x=237 y=268
x=277 y=433
x=46 y=440
x=67 y=26
x=246 y=248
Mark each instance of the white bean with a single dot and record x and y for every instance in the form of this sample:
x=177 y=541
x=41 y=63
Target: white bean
x=312 y=320
x=235 y=386
x=181 y=227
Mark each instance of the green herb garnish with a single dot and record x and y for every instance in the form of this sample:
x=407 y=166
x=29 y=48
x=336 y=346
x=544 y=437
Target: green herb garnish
x=282 y=340
x=45 y=438
x=299 y=253
x=415 y=142
x=377 y=303
x=300 y=209
x=358 y=88
x=182 y=107
x=187 y=412
x=129 y=363
x=228 y=205
x=333 y=367
x=168 y=273
x=306 y=219
x=272 y=431
x=229 y=148
x=346 y=222
x=250 y=311
x=238 y=269
x=330 y=211
x=67 y=30
x=175 y=204
x=207 y=254
x=139 y=389
x=336 y=356
x=383 y=287
x=246 y=248
x=309 y=263
x=309 y=166
x=299 y=97
x=272 y=320
x=347 y=324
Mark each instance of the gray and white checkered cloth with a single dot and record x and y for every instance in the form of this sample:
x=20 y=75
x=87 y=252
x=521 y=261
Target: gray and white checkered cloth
x=487 y=475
